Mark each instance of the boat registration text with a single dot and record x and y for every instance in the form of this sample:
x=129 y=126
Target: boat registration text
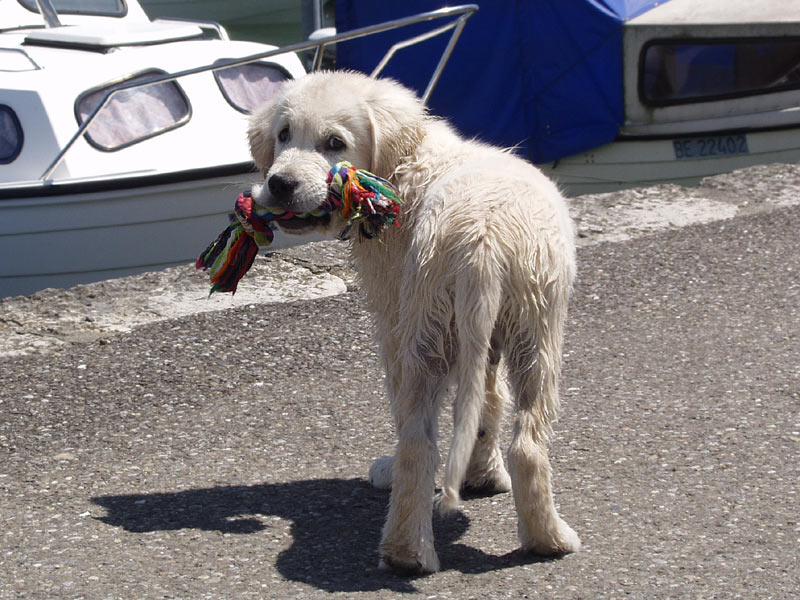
x=710 y=147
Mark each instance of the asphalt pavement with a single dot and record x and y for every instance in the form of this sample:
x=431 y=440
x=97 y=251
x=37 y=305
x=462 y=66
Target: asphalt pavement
x=225 y=454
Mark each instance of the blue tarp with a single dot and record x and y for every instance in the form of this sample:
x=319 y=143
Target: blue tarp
x=542 y=75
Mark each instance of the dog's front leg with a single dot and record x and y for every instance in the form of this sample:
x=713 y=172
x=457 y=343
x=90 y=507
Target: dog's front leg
x=407 y=543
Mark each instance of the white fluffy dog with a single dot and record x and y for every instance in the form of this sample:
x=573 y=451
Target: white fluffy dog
x=479 y=271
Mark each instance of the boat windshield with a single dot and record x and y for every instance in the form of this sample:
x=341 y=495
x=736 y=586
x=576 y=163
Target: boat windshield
x=677 y=72
x=107 y=8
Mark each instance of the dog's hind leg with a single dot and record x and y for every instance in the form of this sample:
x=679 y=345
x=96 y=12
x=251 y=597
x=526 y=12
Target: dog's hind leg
x=476 y=304
x=486 y=472
x=541 y=530
x=534 y=357
x=407 y=542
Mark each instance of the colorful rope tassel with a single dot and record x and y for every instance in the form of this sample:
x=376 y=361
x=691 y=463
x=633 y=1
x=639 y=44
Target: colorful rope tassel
x=358 y=196
x=363 y=198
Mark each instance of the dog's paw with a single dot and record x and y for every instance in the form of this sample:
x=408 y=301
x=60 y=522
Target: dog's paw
x=446 y=501
x=560 y=540
x=426 y=562
x=486 y=473
x=496 y=481
x=380 y=472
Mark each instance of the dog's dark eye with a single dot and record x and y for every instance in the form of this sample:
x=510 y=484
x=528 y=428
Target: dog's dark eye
x=283 y=136
x=335 y=144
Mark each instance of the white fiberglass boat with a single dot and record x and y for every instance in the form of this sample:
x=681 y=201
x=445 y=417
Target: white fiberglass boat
x=123 y=140
x=157 y=167
x=709 y=87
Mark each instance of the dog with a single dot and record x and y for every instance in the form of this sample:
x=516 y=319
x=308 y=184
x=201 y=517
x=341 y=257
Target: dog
x=478 y=275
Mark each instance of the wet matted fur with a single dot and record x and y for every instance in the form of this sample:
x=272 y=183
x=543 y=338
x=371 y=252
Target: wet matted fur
x=479 y=272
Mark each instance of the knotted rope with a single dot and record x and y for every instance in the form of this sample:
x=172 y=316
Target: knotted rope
x=360 y=198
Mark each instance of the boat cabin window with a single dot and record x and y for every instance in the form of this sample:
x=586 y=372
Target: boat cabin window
x=10 y=135
x=107 y=8
x=248 y=86
x=677 y=72
x=133 y=115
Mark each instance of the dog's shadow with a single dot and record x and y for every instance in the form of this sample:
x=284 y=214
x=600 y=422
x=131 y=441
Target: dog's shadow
x=336 y=526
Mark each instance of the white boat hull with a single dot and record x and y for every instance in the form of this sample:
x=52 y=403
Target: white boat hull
x=66 y=239
x=637 y=163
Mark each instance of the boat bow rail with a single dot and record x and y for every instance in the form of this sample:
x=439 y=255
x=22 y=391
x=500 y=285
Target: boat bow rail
x=458 y=16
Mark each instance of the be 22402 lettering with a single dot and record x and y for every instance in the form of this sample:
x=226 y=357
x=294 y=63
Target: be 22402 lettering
x=710 y=147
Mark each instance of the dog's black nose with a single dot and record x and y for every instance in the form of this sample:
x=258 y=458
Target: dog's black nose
x=282 y=187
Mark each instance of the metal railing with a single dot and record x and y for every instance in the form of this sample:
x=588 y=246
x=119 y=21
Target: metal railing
x=48 y=12
x=459 y=14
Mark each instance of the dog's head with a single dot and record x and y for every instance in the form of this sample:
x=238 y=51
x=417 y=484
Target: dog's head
x=320 y=120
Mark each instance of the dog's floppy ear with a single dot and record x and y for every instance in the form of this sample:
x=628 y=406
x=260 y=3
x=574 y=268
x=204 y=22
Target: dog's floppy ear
x=261 y=136
x=397 y=120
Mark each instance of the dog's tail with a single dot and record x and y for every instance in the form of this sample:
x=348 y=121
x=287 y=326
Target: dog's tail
x=477 y=299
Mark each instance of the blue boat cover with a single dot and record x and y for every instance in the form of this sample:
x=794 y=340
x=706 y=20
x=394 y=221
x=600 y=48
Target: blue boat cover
x=542 y=75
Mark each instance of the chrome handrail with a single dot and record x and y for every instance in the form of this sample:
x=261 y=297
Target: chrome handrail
x=460 y=14
x=48 y=12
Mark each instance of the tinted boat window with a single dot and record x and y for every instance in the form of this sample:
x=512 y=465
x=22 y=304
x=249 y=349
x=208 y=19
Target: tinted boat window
x=82 y=7
x=133 y=115
x=248 y=86
x=10 y=135
x=677 y=72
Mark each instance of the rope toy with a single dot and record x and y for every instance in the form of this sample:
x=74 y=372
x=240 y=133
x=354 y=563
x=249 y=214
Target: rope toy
x=360 y=198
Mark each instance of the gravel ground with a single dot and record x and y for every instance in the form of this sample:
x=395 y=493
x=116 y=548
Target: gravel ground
x=223 y=454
